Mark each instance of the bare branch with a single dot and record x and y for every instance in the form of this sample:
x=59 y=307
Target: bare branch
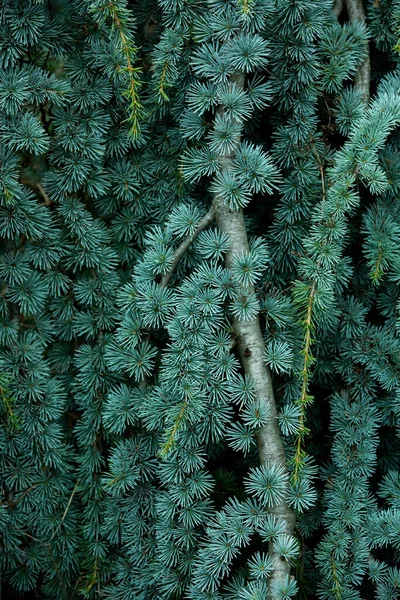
x=180 y=251
x=47 y=200
x=355 y=10
x=65 y=511
x=337 y=8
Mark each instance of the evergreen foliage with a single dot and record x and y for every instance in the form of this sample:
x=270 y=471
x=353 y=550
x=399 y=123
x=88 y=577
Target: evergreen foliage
x=199 y=299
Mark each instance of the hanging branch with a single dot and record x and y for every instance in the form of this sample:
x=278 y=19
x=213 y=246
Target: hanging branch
x=308 y=359
x=305 y=399
x=121 y=20
x=251 y=348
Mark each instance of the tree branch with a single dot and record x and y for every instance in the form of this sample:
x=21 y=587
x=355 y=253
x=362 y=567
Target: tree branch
x=65 y=511
x=355 y=10
x=251 y=348
x=47 y=200
x=180 y=251
x=337 y=8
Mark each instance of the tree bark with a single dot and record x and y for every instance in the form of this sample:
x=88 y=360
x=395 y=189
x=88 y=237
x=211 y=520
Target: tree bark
x=355 y=10
x=337 y=8
x=251 y=347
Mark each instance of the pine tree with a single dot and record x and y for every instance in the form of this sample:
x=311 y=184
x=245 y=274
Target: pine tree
x=199 y=296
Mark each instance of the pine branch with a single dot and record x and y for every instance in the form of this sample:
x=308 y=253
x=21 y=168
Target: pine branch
x=180 y=251
x=362 y=79
x=305 y=376
x=8 y=402
x=119 y=20
x=172 y=433
x=252 y=348
x=308 y=325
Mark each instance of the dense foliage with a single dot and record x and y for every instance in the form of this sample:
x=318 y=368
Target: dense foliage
x=199 y=295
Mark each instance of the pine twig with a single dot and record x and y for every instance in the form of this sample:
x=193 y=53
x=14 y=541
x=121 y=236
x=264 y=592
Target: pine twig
x=171 y=436
x=180 y=251
x=308 y=325
x=119 y=20
x=305 y=376
x=65 y=511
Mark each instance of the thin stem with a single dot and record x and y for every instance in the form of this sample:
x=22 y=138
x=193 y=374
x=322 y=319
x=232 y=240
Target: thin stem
x=47 y=200
x=171 y=437
x=161 y=87
x=26 y=492
x=337 y=589
x=8 y=402
x=321 y=172
x=65 y=511
x=377 y=271
x=246 y=6
x=305 y=399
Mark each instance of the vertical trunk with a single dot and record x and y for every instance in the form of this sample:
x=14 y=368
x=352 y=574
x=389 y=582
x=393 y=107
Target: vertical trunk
x=355 y=10
x=252 y=349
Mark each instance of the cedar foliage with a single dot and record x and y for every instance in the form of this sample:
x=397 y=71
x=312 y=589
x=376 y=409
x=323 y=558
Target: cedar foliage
x=174 y=176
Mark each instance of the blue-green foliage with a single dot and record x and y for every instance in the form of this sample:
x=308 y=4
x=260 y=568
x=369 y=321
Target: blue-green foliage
x=128 y=438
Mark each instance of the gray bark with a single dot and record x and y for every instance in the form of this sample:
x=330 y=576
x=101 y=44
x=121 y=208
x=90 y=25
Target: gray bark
x=251 y=347
x=337 y=8
x=355 y=10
